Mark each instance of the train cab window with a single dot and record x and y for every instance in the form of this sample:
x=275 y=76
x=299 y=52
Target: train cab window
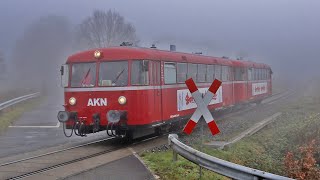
x=113 y=73
x=139 y=72
x=210 y=73
x=83 y=75
x=192 y=71
x=182 y=69
x=170 y=73
x=217 y=72
x=201 y=76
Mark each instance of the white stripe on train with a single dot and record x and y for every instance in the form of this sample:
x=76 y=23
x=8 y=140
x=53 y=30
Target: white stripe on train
x=130 y=88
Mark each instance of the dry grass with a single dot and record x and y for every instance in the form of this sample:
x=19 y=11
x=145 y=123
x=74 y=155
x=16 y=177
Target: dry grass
x=9 y=115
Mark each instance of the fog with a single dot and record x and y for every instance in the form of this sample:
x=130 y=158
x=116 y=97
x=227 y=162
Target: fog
x=284 y=34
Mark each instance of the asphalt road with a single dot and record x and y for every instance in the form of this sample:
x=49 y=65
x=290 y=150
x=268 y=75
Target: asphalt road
x=122 y=169
x=38 y=129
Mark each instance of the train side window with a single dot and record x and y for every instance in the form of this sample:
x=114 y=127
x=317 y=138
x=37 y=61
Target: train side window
x=210 y=73
x=217 y=72
x=260 y=74
x=192 y=71
x=230 y=76
x=256 y=74
x=264 y=74
x=182 y=69
x=249 y=74
x=170 y=73
x=155 y=73
x=225 y=73
x=238 y=74
x=201 y=77
x=140 y=72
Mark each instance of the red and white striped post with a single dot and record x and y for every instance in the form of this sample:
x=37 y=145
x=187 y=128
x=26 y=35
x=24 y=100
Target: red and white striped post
x=202 y=109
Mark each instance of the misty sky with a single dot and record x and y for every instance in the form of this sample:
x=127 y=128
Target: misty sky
x=276 y=32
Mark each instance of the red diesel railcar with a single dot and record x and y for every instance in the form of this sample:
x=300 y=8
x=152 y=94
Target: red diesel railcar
x=132 y=92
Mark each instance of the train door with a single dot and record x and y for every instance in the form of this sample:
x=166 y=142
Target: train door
x=240 y=85
x=249 y=82
x=155 y=83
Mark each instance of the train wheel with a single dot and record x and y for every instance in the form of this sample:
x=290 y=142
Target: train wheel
x=128 y=138
x=259 y=102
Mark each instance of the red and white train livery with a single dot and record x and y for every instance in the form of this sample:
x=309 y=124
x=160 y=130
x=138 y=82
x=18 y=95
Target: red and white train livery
x=133 y=91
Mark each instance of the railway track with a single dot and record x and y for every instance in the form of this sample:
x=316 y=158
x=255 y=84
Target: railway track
x=31 y=166
x=248 y=107
x=35 y=165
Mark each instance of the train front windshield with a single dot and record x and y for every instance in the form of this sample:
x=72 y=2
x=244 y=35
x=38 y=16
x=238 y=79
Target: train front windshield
x=113 y=73
x=83 y=75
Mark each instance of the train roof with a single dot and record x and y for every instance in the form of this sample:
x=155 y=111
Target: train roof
x=137 y=53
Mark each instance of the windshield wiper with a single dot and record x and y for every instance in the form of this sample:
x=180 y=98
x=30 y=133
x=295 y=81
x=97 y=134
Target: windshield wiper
x=117 y=78
x=84 y=79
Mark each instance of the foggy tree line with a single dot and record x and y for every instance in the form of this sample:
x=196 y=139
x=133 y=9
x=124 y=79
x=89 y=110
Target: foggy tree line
x=47 y=42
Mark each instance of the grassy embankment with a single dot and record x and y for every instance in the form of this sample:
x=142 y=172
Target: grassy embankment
x=265 y=150
x=9 y=115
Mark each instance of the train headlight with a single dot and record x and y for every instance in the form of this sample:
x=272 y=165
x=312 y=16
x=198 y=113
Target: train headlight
x=122 y=100
x=97 y=54
x=72 y=101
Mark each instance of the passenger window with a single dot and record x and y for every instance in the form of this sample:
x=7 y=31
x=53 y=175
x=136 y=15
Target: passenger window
x=192 y=71
x=155 y=72
x=256 y=74
x=182 y=72
x=139 y=72
x=230 y=78
x=238 y=74
x=170 y=73
x=201 y=77
x=250 y=74
x=225 y=73
x=210 y=73
x=217 y=72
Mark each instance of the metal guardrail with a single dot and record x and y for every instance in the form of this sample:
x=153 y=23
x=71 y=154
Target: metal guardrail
x=217 y=165
x=17 y=100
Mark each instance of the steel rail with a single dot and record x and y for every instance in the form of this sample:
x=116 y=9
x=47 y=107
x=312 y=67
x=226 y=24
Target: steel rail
x=17 y=100
x=57 y=151
x=217 y=165
x=28 y=174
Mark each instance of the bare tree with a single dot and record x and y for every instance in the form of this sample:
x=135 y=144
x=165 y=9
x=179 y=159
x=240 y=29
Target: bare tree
x=104 y=29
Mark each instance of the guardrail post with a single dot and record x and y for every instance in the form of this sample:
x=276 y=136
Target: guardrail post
x=175 y=156
x=174 y=153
